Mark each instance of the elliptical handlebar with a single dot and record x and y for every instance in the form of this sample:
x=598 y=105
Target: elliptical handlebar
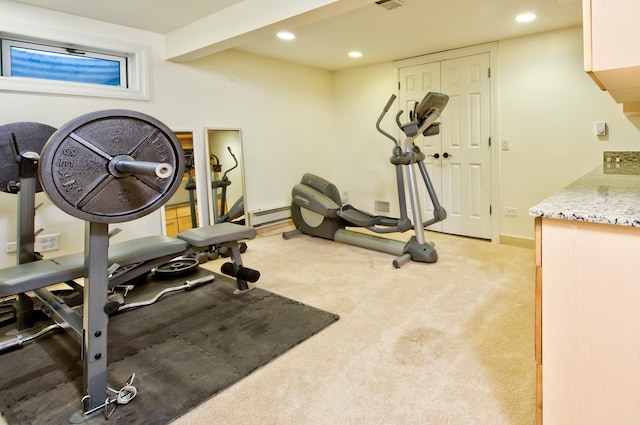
x=398 y=115
x=224 y=176
x=389 y=103
x=384 y=112
x=422 y=117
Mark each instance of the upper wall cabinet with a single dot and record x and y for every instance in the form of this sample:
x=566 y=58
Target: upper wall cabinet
x=611 y=53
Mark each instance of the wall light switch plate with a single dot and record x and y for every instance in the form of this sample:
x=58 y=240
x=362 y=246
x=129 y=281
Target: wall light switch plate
x=504 y=144
x=601 y=128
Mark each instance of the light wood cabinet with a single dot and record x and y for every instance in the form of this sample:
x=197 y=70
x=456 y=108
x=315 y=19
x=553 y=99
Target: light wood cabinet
x=587 y=323
x=178 y=219
x=611 y=55
x=538 y=319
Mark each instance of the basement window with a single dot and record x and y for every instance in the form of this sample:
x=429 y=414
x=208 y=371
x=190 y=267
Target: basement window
x=48 y=67
x=31 y=60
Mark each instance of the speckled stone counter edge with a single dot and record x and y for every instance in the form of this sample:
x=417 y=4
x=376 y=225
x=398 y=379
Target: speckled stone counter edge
x=597 y=198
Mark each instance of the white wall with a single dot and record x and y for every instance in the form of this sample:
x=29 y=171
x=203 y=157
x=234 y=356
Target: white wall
x=296 y=119
x=364 y=170
x=548 y=108
x=283 y=109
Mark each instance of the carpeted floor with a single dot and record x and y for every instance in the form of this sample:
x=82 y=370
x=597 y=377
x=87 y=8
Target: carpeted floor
x=450 y=343
x=183 y=349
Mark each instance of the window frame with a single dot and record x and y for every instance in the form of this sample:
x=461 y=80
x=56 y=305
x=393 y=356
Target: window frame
x=9 y=44
x=134 y=59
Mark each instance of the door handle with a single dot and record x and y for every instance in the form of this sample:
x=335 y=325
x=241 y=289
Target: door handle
x=435 y=155
x=446 y=155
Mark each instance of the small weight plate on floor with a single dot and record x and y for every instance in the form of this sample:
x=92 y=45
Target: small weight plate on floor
x=176 y=268
x=77 y=166
x=29 y=136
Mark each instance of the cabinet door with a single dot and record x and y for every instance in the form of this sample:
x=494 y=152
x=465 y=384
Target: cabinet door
x=590 y=323
x=611 y=55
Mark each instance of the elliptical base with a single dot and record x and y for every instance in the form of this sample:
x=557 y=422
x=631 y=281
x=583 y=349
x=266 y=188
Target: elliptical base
x=404 y=251
x=315 y=224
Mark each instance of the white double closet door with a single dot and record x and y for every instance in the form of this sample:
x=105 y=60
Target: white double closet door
x=459 y=158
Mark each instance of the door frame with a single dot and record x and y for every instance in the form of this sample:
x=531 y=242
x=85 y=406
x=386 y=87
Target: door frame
x=201 y=190
x=492 y=49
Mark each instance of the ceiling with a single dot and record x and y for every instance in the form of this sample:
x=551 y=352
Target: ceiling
x=416 y=28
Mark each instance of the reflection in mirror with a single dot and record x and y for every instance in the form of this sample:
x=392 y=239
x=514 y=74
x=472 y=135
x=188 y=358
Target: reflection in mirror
x=181 y=209
x=227 y=182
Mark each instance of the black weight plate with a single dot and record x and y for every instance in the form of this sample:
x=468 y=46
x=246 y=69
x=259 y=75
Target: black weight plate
x=30 y=136
x=178 y=267
x=74 y=167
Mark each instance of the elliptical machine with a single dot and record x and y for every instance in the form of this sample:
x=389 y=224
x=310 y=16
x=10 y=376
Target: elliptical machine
x=237 y=209
x=317 y=210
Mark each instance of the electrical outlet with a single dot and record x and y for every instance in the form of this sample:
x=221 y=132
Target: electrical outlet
x=511 y=211
x=48 y=242
x=504 y=144
x=12 y=247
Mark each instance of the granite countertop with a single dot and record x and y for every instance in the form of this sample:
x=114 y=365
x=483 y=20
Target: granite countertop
x=597 y=197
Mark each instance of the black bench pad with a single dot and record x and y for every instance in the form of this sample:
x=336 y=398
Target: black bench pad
x=216 y=234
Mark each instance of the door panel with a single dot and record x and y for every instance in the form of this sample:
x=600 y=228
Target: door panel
x=463 y=179
x=415 y=83
x=466 y=130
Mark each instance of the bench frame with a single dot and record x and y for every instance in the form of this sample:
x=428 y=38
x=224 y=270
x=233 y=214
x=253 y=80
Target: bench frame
x=90 y=328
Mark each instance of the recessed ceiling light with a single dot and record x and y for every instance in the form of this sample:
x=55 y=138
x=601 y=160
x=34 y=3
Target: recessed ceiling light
x=283 y=35
x=355 y=54
x=526 y=17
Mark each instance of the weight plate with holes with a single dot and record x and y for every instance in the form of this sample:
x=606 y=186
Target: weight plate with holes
x=78 y=168
x=30 y=137
x=178 y=267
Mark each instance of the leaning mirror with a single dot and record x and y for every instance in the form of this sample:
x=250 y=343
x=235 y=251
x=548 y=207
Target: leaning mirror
x=226 y=169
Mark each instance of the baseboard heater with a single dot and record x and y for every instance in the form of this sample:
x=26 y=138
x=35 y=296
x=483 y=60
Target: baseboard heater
x=261 y=218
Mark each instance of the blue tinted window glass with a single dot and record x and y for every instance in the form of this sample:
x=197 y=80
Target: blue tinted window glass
x=58 y=66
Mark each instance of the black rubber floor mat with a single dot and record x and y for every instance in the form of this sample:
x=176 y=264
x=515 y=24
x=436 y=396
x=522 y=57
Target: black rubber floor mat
x=184 y=349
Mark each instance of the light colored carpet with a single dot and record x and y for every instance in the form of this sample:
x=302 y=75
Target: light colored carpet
x=444 y=343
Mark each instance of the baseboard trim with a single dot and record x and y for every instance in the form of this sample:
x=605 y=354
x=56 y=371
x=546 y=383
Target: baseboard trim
x=275 y=228
x=516 y=241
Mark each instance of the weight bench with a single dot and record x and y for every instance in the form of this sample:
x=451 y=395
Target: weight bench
x=137 y=165
x=224 y=237
x=134 y=258
x=39 y=274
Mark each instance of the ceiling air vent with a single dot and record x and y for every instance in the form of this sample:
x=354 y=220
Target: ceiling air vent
x=389 y=4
